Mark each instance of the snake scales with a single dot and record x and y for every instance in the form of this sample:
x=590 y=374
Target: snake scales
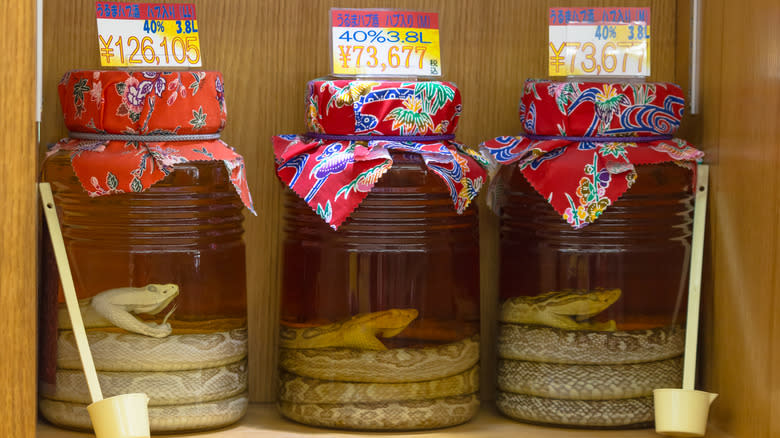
x=559 y=366
x=193 y=380
x=340 y=375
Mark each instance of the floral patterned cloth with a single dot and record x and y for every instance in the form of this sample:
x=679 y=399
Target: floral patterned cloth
x=334 y=175
x=581 y=177
x=144 y=103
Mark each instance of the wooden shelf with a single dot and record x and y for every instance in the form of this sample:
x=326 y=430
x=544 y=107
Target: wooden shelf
x=262 y=420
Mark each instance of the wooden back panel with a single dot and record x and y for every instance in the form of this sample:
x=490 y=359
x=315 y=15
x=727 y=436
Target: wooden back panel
x=739 y=130
x=18 y=226
x=268 y=50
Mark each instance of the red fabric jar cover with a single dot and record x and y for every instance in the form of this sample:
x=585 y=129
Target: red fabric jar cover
x=583 y=140
x=354 y=124
x=144 y=103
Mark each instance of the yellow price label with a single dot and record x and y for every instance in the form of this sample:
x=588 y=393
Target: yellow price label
x=370 y=42
x=599 y=42
x=145 y=34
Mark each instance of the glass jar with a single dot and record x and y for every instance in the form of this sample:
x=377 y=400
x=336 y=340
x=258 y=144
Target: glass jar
x=160 y=271
x=380 y=318
x=592 y=297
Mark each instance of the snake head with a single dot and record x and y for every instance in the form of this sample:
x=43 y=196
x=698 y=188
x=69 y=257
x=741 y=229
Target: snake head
x=155 y=298
x=392 y=322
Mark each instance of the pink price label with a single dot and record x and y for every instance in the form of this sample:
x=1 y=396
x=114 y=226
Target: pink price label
x=383 y=18
x=589 y=16
x=145 y=11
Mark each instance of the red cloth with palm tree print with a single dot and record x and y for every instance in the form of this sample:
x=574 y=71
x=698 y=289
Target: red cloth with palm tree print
x=580 y=178
x=334 y=175
x=144 y=103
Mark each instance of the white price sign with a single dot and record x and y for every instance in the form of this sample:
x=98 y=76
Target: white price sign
x=385 y=42
x=599 y=42
x=147 y=35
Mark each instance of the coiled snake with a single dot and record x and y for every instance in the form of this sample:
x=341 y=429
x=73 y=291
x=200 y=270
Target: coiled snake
x=558 y=366
x=341 y=375
x=194 y=381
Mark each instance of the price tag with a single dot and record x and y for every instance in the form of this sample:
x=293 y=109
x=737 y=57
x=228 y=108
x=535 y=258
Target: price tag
x=599 y=42
x=380 y=42
x=147 y=34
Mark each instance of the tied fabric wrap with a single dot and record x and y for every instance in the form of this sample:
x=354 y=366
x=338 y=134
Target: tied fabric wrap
x=335 y=165
x=154 y=104
x=583 y=140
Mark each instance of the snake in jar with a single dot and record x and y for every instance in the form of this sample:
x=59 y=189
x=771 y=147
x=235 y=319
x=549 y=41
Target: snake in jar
x=342 y=375
x=558 y=365
x=197 y=379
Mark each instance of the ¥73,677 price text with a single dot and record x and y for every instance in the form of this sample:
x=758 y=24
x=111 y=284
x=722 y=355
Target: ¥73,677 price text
x=382 y=57
x=610 y=58
x=116 y=50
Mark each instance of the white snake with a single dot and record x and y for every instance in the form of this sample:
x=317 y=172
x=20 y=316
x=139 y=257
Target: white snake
x=340 y=375
x=628 y=412
x=194 y=381
x=205 y=415
x=557 y=366
x=401 y=415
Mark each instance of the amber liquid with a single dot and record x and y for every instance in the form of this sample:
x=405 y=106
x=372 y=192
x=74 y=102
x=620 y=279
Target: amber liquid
x=186 y=230
x=640 y=244
x=403 y=247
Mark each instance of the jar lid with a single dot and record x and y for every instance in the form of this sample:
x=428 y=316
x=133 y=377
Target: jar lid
x=601 y=109
x=583 y=140
x=364 y=107
x=123 y=102
x=129 y=129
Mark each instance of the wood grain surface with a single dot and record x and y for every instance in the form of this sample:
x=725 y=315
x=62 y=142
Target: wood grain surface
x=18 y=225
x=740 y=132
x=264 y=421
x=268 y=50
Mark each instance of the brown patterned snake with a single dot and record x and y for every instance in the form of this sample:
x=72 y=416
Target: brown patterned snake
x=195 y=380
x=558 y=366
x=342 y=375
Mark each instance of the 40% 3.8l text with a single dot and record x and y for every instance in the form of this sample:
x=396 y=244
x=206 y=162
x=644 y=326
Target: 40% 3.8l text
x=380 y=36
x=155 y=26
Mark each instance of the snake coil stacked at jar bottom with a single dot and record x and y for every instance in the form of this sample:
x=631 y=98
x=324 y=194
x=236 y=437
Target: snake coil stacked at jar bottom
x=592 y=305
x=380 y=317
x=153 y=231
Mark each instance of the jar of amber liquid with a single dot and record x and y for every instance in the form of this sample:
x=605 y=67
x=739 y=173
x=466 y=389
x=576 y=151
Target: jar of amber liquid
x=160 y=271
x=592 y=296
x=380 y=318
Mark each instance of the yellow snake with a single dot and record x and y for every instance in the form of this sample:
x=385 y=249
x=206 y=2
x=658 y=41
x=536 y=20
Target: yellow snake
x=559 y=366
x=194 y=380
x=341 y=375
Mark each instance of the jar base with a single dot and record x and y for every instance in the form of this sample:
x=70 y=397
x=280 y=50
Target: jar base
x=173 y=418
x=386 y=416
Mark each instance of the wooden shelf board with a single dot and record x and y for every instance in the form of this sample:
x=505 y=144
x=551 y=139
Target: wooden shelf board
x=263 y=420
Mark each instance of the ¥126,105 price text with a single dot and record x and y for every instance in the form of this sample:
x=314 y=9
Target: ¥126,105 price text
x=181 y=50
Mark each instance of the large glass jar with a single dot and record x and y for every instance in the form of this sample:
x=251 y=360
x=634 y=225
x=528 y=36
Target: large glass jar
x=380 y=318
x=592 y=296
x=158 y=264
